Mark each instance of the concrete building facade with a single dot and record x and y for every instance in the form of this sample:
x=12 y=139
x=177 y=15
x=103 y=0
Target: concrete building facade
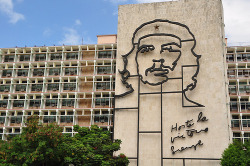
x=171 y=60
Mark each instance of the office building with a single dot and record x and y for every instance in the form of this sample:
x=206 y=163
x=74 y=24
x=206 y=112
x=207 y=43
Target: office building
x=238 y=58
x=69 y=85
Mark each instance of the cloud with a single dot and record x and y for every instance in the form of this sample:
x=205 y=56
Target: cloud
x=78 y=22
x=71 y=37
x=237 y=14
x=7 y=7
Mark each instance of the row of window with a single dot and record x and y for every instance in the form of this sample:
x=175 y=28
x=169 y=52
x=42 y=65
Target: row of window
x=239 y=73
x=238 y=57
x=52 y=72
x=52 y=87
x=53 y=102
x=62 y=119
x=242 y=89
x=239 y=105
x=55 y=56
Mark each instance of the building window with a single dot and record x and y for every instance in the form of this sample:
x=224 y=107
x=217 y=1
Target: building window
x=73 y=55
x=68 y=102
x=69 y=86
x=68 y=129
x=102 y=85
x=101 y=118
x=22 y=72
x=57 y=56
x=49 y=119
x=40 y=57
x=68 y=118
x=24 y=57
x=102 y=101
x=70 y=71
x=20 y=88
x=38 y=72
x=241 y=57
x=54 y=71
x=18 y=103
x=35 y=103
x=37 y=87
x=17 y=119
x=3 y=103
x=4 y=88
x=51 y=102
x=235 y=123
x=53 y=87
x=9 y=58
x=104 y=54
x=2 y=118
x=7 y=73
x=246 y=121
x=104 y=70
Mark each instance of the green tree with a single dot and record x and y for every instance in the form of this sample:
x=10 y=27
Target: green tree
x=36 y=146
x=237 y=153
x=92 y=147
x=45 y=145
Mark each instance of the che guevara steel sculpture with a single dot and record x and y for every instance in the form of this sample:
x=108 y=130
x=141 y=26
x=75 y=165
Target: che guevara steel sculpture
x=157 y=73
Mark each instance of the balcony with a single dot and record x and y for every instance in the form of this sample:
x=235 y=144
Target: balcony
x=40 y=57
x=18 y=103
x=22 y=72
x=246 y=124
x=72 y=56
x=66 y=119
x=57 y=56
x=49 y=119
x=104 y=70
x=69 y=86
x=24 y=58
x=4 y=104
x=9 y=58
x=37 y=87
x=243 y=57
x=102 y=102
x=51 y=103
x=20 y=88
x=235 y=124
x=244 y=89
x=231 y=74
x=230 y=58
x=68 y=102
x=70 y=71
x=104 y=54
x=100 y=86
x=38 y=72
x=35 y=103
x=16 y=120
x=4 y=88
x=2 y=119
x=53 y=87
x=243 y=73
x=54 y=72
x=7 y=73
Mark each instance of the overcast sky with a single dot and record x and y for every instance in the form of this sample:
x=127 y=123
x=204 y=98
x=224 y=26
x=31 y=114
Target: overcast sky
x=57 y=22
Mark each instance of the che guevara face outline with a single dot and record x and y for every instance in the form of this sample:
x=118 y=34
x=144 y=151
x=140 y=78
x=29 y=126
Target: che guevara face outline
x=164 y=57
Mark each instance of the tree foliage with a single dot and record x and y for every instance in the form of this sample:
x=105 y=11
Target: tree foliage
x=236 y=154
x=45 y=145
